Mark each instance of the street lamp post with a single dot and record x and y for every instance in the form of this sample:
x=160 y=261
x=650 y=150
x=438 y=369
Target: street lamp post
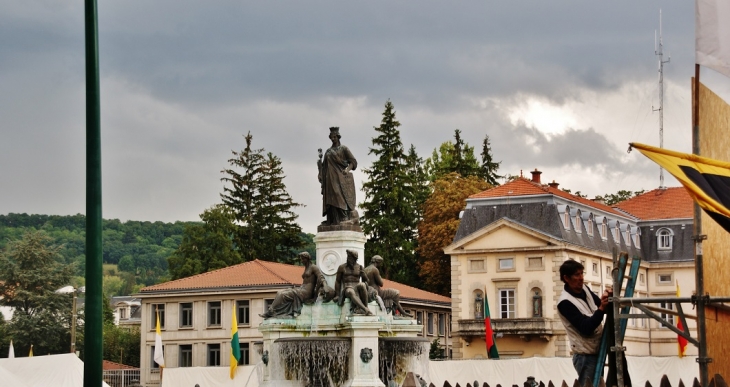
x=74 y=291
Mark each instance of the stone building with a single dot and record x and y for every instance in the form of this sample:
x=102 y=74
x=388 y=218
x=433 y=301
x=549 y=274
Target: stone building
x=195 y=314
x=513 y=238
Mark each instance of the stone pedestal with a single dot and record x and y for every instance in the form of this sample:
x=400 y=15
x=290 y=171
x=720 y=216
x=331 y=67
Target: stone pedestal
x=364 y=358
x=331 y=251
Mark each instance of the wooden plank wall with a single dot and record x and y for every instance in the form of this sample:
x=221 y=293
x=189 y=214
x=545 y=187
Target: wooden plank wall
x=715 y=143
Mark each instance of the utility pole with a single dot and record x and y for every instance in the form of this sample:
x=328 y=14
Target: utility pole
x=659 y=51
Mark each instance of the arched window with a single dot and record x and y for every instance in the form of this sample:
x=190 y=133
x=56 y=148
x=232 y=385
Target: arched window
x=589 y=224
x=664 y=239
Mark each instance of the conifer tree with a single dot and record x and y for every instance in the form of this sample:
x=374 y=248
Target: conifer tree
x=388 y=219
x=419 y=182
x=457 y=156
x=278 y=218
x=261 y=205
x=489 y=167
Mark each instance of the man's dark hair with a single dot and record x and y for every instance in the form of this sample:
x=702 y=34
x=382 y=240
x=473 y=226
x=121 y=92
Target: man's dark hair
x=569 y=268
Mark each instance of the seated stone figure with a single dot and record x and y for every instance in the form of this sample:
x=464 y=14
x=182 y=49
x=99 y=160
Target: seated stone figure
x=289 y=302
x=390 y=296
x=348 y=285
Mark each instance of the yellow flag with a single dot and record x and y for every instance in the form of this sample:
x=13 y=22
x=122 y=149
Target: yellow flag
x=30 y=354
x=706 y=180
x=235 y=345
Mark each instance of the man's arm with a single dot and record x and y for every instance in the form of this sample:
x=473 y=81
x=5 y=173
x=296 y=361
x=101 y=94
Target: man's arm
x=584 y=324
x=364 y=277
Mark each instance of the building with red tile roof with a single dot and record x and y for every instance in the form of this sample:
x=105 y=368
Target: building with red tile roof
x=513 y=238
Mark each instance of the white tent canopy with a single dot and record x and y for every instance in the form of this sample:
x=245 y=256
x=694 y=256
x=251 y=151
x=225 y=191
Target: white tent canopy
x=504 y=372
x=64 y=370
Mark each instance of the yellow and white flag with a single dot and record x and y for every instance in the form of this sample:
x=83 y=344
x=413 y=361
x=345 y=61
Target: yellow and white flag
x=30 y=353
x=159 y=353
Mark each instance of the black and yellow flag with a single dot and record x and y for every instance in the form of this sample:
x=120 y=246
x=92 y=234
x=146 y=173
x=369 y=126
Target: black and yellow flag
x=706 y=180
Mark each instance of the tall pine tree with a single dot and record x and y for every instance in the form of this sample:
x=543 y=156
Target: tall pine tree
x=261 y=205
x=388 y=219
x=488 y=170
x=277 y=215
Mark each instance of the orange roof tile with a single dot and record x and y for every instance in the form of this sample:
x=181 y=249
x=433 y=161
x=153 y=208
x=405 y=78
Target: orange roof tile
x=110 y=365
x=668 y=203
x=525 y=187
x=261 y=273
x=413 y=293
x=253 y=273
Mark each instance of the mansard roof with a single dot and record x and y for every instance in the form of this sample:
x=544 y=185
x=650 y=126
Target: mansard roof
x=659 y=204
x=259 y=274
x=525 y=187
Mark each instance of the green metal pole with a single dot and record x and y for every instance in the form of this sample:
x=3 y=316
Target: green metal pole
x=92 y=319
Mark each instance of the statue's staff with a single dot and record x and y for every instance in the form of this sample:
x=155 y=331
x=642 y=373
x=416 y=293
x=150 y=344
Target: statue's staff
x=319 y=168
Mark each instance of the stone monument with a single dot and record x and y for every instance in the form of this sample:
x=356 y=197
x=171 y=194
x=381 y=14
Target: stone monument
x=340 y=231
x=330 y=342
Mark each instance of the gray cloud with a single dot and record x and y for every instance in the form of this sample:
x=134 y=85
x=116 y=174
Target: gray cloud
x=182 y=81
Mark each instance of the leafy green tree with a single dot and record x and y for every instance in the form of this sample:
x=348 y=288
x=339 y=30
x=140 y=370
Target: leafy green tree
x=265 y=222
x=206 y=246
x=488 y=170
x=31 y=270
x=388 y=214
x=120 y=345
x=439 y=225
x=457 y=156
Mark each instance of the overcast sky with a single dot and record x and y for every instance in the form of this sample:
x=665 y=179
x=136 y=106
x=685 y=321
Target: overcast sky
x=562 y=86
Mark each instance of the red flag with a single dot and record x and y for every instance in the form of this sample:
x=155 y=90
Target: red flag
x=488 y=333
x=681 y=341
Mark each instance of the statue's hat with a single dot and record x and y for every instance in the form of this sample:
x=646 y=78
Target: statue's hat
x=335 y=129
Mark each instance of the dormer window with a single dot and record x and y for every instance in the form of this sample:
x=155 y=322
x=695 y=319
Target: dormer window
x=565 y=212
x=616 y=233
x=664 y=239
x=602 y=225
x=578 y=228
x=589 y=224
x=636 y=234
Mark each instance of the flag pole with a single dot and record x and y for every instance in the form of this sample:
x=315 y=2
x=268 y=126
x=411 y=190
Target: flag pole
x=93 y=321
x=698 y=238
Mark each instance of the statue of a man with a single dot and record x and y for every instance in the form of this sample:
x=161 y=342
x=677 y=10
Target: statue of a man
x=338 y=185
x=390 y=296
x=348 y=285
x=288 y=302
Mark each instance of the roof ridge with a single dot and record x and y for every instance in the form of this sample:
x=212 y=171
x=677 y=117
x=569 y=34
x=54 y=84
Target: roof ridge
x=260 y=262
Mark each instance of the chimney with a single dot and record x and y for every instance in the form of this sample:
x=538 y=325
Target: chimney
x=553 y=185
x=536 y=176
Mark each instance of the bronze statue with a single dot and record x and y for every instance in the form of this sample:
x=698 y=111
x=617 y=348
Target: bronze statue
x=348 y=285
x=390 y=296
x=338 y=184
x=289 y=302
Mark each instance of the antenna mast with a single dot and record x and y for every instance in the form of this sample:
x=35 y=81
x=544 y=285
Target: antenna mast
x=659 y=51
